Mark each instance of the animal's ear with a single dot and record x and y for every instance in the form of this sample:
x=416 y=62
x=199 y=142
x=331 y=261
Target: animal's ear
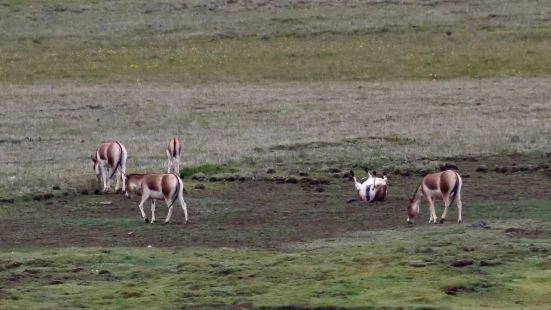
x=374 y=173
x=351 y=173
x=366 y=169
x=410 y=199
x=94 y=159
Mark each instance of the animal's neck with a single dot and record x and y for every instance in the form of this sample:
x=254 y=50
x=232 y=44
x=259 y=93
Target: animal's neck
x=418 y=193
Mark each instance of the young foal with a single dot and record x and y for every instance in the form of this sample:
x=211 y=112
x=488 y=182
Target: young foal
x=156 y=186
x=173 y=150
x=109 y=159
x=372 y=189
x=445 y=185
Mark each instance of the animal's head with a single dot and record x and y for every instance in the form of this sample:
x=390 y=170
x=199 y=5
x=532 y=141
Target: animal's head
x=412 y=209
x=96 y=167
x=133 y=184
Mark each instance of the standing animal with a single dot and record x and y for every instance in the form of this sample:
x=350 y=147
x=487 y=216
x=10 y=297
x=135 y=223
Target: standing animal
x=156 y=186
x=173 y=150
x=110 y=159
x=371 y=189
x=445 y=185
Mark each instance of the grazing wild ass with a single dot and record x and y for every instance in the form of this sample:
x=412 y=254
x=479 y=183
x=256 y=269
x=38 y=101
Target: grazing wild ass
x=110 y=159
x=445 y=185
x=173 y=150
x=372 y=189
x=157 y=186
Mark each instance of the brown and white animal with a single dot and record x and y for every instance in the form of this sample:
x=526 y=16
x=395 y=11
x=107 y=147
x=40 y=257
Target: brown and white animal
x=371 y=189
x=157 y=186
x=110 y=159
x=173 y=150
x=445 y=185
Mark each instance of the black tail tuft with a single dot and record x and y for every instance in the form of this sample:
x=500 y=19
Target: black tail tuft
x=455 y=188
x=177 y=193
x=118 y=163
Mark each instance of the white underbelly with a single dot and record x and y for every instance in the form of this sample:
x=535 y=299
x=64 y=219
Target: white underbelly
x=156 y=195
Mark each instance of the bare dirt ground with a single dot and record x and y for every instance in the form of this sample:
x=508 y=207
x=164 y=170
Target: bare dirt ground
x=265 y=214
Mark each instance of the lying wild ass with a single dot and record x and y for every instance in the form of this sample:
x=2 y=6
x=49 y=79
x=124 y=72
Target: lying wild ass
x=110 y=159
x=173 y=150
x=445 y=185
x=157 y=186
x=371 y=189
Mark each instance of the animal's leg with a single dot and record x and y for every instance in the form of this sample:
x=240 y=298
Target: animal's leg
x=169 y=215
x=446 y=199
x=430 y=201
x=105 y=178
x=118 y=175
x=459 y=207
x=169 y=156
x=152 y=211
x=144 y=199
x=184 y=207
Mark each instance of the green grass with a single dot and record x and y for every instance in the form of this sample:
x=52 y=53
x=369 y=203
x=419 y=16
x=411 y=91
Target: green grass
x=207 y=169
x=372 y=269
x=415 y=54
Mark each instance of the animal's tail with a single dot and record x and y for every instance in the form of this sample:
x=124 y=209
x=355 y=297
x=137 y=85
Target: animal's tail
x=456 y=187
x=117 y=166
x=174 y=147
x=178 y=187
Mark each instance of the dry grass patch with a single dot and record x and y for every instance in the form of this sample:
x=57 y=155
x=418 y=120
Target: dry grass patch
x=50 y=129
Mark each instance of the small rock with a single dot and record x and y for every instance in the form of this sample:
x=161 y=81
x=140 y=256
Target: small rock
x=105 y=203
x=56 y=187
x=131 y=234
x=303 y=173
x=7 y=200
x=482 y=168
x=320 y=189
x=214 y=179
x=55 y=282
x=480 y=224
x=78 y=269
x=104 y=272
x=291 y=179
x=199 y=176
x=199 y=186
x=270 y=171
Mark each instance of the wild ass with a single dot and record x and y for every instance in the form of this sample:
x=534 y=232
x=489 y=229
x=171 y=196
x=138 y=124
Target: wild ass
x=371 y=189
x=156 y=186
x=445 y=185
x=173 y=150
x=110 y=159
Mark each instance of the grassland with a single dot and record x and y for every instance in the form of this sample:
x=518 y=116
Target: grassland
x=304 y=87
x=253 y=41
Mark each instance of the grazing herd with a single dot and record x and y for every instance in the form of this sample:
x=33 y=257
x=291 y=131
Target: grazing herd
x=110 y=160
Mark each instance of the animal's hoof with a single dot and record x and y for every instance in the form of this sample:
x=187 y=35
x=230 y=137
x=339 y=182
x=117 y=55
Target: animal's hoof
x=167 y=222
x=442 y=221
x=186 y=222
x=146 y=220
x=152 y=221
x=458 y=221
x=411 y=222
